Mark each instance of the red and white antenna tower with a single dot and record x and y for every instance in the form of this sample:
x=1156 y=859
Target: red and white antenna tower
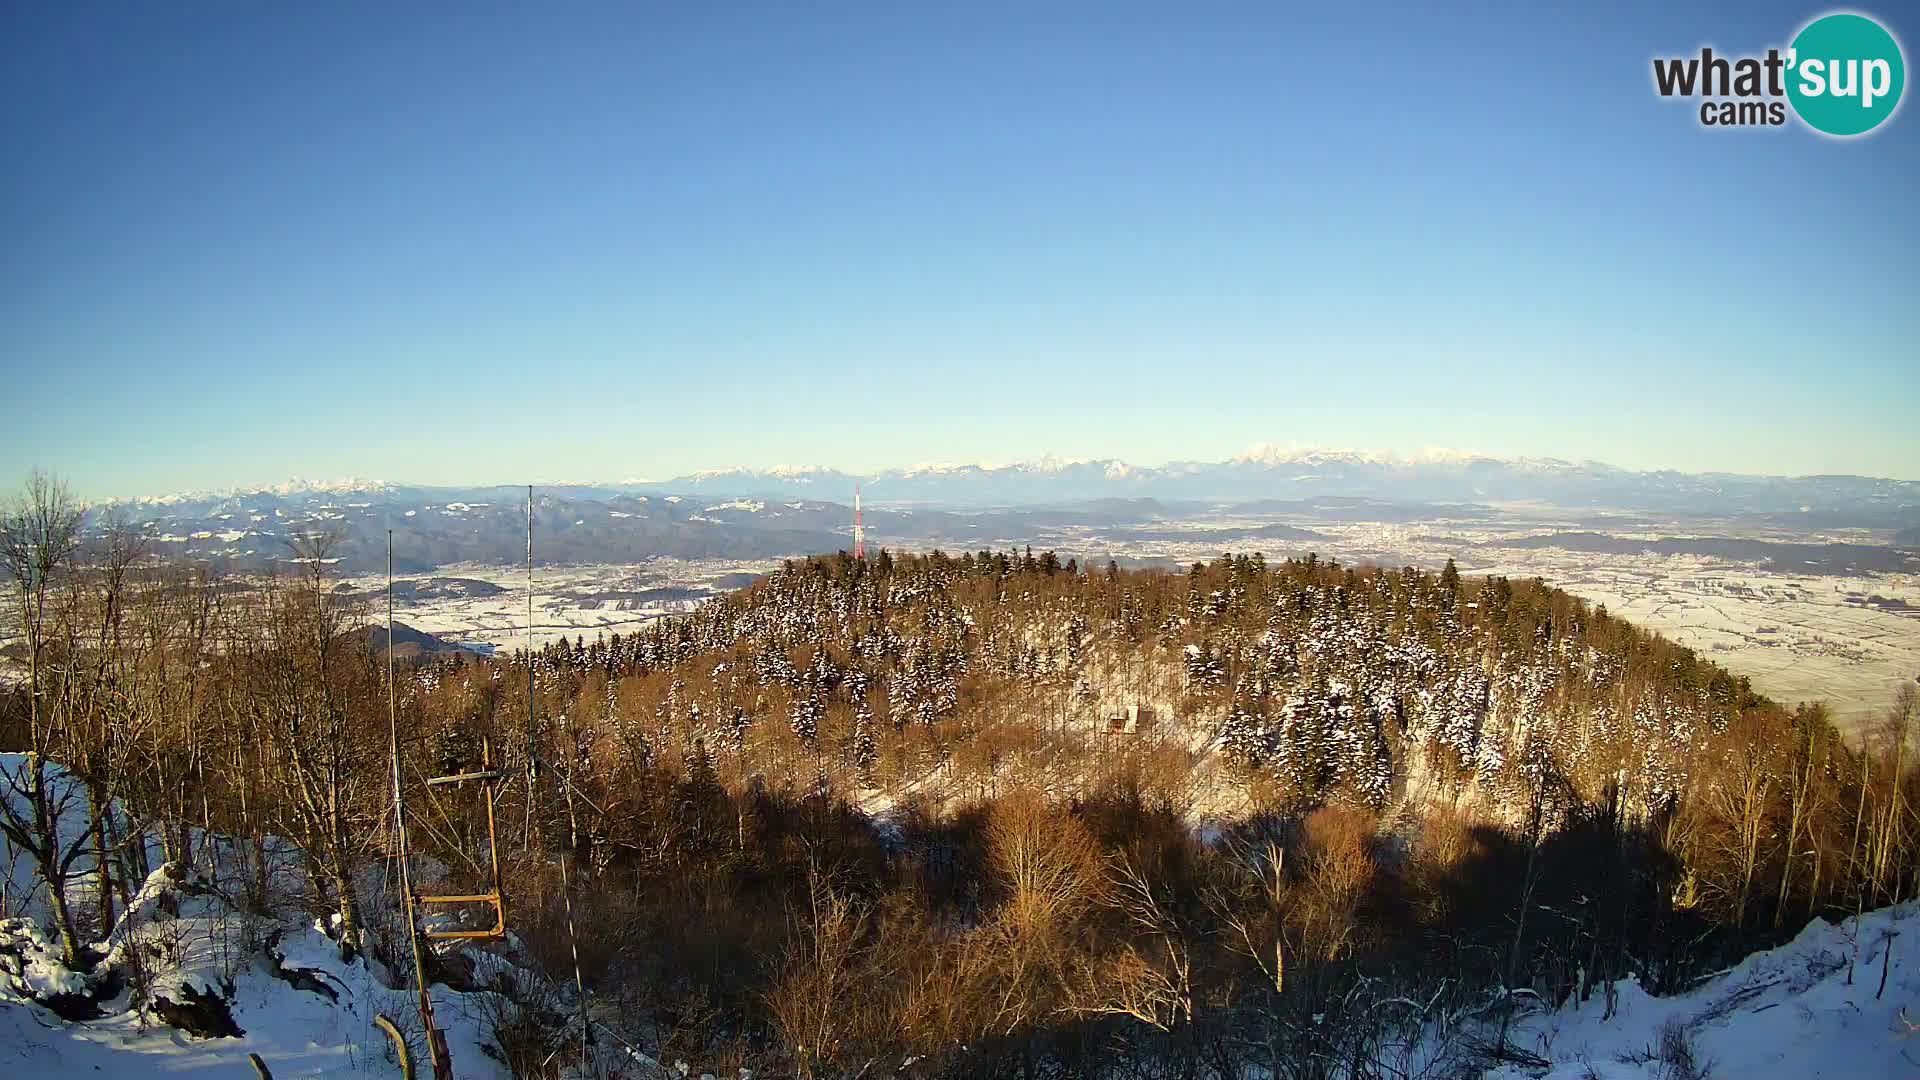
x=859 y=529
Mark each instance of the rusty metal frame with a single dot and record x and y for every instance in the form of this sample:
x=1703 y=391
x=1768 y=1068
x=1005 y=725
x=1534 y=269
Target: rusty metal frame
x=488 y=777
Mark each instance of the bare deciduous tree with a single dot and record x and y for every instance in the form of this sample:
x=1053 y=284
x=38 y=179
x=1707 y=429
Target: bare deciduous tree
x=38 y=538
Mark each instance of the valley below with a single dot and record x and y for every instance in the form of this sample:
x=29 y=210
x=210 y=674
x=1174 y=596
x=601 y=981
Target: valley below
x=1805 y=614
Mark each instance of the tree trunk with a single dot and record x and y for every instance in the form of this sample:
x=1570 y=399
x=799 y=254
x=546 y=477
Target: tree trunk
x=98 y=810
x=349 y=907
x=1819 y=861
x=1798 y=794
x=63 y=918
x=46 y=839
x=260 y=870
x=138 y=864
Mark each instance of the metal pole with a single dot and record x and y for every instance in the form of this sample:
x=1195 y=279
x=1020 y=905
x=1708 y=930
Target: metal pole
x=566 y=890
x=532 y=767
x=436 y=1046
x=533 y=760
x=493 y=834
x=529 y=607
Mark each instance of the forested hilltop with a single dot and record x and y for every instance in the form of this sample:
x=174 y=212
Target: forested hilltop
x=1326 y=684
x=979 y=815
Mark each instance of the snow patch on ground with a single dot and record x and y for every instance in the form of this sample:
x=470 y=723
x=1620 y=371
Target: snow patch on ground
x=1812 y=1008
x=187 y=953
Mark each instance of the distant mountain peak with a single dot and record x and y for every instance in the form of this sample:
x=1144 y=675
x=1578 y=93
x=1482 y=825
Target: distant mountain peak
x=1048 y=463
x=352 y=485
x=798 y=473
x=345 y=486
x=1271 y=454
x=939 y=468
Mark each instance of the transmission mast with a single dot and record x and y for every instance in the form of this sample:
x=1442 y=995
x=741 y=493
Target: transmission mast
x=859 y=529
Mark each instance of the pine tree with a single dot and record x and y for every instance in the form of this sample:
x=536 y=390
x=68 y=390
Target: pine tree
x=866 y=750
x=804 y=716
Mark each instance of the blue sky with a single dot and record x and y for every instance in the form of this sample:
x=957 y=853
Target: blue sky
x=245 y=241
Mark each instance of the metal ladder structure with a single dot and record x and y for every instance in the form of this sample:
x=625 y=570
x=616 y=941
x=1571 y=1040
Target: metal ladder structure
x=489 y=779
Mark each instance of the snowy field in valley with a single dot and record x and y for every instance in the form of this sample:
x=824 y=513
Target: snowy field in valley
x=568 y=601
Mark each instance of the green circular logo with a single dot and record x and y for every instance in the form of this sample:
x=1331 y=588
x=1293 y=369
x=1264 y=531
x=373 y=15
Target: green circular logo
x=1845 y=74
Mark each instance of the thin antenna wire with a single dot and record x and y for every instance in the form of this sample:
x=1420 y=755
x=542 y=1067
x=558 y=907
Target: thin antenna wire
x=573 y=823
x=566 y=893
x=532 y=762
x=529 y=593
x=533 y=757
x=441 y=1065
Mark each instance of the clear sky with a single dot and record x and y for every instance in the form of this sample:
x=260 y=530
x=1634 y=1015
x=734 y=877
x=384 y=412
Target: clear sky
x=243 y=241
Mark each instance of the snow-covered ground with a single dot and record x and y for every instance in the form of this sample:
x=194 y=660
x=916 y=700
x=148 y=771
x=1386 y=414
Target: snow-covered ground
x=296 y=1031
x=1813 y=1008
x=278 y=978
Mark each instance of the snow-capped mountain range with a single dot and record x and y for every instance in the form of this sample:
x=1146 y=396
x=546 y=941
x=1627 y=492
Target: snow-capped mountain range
x=293 y=487
x=744 y=513
x=1275 y=472
x=1263 y=472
